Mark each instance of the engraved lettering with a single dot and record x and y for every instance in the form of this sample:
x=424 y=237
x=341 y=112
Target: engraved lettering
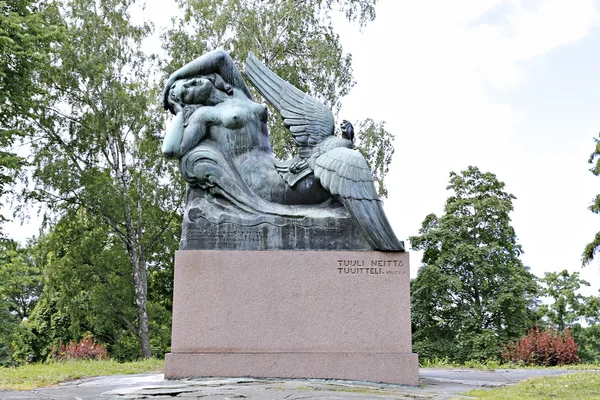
x=357 y=267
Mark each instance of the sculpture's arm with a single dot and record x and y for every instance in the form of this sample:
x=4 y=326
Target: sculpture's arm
x=217 y=61
x=182 y=137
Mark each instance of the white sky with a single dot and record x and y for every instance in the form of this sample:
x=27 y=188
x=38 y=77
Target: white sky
x=510 y=86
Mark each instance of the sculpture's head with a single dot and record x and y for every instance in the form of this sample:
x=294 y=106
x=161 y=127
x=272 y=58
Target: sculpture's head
x=347 y=130
x=202 y=90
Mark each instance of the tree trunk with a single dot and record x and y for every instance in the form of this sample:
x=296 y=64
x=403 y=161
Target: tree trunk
x=140 y=283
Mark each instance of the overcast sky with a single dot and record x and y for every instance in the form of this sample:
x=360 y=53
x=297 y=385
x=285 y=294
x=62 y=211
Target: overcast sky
x=511 y=87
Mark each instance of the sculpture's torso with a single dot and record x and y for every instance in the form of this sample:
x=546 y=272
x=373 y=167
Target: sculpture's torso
x=239 y=131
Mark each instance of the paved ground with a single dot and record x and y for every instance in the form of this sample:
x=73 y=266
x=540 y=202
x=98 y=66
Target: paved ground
x=436 y=384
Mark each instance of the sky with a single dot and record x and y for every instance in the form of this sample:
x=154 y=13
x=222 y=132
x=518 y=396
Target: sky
x=509 y=86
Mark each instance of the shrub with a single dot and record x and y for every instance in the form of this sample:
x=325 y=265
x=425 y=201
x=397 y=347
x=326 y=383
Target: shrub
x=588 y=342
x=542 y=347
x=85 y=349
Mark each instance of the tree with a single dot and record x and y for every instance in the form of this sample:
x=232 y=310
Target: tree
x=28 y=31
x=377 y=146
x=20 y=287
x=88 y=288
x=297 y=41
x=20 y=278
x=472 y=291
x=568 y=309
x=567 y=306
x=592 y=248
x=97 y=147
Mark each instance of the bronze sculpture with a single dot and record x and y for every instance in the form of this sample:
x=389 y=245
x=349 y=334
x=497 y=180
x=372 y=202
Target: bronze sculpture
x=239 y=195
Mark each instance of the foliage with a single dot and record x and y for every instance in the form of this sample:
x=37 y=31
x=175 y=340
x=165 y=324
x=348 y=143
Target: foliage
x=88 y=288
x=567 y=306
x=377 y=146
x=32 y=376
x=592 y=248
x=8 y=327
x=20 y=278
x=29 y=29
x=85 y=349
x=20 y=286
x=588 y=341
x=97 y=152
x=574 y=386
x=472 y=292
x=87 y=284
x=293 y=38
x=542 y=347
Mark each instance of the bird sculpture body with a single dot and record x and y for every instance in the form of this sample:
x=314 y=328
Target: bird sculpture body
x=340 y=169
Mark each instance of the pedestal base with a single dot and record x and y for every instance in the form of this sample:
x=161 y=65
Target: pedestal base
x=376 y=367
x=292 y=314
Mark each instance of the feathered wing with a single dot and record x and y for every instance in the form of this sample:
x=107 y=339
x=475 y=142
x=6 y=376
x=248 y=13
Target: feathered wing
x=345 y=173
x=309 y=121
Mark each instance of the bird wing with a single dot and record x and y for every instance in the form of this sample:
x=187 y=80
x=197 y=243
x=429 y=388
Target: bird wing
x=345 y=173
x=309 y=121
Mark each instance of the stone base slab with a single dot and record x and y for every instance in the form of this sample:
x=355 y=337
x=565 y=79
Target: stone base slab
x=395 y=368
x=292 y=314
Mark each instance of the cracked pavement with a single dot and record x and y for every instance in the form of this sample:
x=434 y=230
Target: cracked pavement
x=436 y=384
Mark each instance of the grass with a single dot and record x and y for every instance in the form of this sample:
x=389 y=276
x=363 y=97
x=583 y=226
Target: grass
x=492 y=365
x=446 y=363
x=576 y=386
x=32 y=376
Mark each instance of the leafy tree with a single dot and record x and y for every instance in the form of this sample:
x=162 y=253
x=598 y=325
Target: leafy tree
x=472 y=292
x=588 y=340
x=569 y=309
x=567 y=306
x=8 y=323
x=28 y=31
x=88 y=288
x=20 y=286
x=87 y=277
x=592 y=248
x=97 y=149
x=20 y=278
x=376 y=145
x=297 y=41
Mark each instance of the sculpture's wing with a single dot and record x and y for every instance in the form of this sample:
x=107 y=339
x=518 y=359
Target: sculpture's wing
x=345 y=173
x=308 y=120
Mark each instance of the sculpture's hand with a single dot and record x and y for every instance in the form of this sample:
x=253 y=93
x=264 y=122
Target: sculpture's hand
x=176 y=107
x=217 y=61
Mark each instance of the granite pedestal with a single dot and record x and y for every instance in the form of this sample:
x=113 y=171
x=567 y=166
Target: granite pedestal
x=292 y=314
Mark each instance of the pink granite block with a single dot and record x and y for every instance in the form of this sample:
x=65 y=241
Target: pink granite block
x=394 y=368
x=310 y=314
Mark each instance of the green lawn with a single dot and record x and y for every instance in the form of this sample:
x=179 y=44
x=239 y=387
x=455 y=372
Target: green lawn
x=32 y=376
x=575 y=386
